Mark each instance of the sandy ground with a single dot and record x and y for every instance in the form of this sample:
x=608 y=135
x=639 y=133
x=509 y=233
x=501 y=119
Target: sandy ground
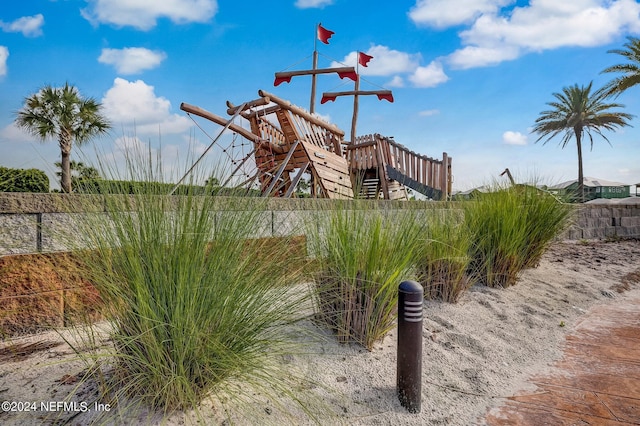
x=475 y=353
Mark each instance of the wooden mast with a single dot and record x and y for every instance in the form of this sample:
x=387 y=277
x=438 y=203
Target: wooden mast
x=354 y=119
x=285 y=76
x=314 y=76
x=331 y=96
x=382 y=94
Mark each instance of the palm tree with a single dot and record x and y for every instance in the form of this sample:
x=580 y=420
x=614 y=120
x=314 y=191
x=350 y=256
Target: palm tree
x=630 y=70
x=79 y=172
x=577 y=112
x=62 y=113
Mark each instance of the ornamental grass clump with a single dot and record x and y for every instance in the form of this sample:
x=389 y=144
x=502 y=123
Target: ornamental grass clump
x=196 y=303
x=361 y=255
x=444 y=260
x=511 y=228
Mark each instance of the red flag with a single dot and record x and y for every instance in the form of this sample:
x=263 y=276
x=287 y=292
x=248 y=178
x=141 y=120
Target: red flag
x=386 y=97
x=324 y=34
x=363 y=59
x=327 y=98
x=349 y=74
x=280 y=80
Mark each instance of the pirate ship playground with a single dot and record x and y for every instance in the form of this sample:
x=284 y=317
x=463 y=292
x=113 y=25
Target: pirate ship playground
x=289 y=143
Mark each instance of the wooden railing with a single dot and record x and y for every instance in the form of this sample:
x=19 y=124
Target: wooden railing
x=396 y=162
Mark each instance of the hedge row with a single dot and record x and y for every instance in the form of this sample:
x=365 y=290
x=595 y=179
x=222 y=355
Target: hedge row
x=23 y=180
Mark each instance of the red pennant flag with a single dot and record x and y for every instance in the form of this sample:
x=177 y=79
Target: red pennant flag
x=327 y=98
x=324 y=34
x=363 y=59
x=280 y=80
x=349 y=74
x=386 y=97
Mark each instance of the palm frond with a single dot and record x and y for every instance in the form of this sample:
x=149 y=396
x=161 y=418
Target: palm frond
x=630 y=70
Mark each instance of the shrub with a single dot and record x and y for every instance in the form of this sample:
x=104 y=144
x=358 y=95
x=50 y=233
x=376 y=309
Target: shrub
x=362 y=255
x=511 y=229
x=194 y=304
x=443 y=260
x=21 y=180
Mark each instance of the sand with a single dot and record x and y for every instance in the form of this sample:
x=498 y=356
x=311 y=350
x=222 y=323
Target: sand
x=475 y=353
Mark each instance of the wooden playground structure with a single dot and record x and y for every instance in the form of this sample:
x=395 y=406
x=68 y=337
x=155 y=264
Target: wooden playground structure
x=289 y=142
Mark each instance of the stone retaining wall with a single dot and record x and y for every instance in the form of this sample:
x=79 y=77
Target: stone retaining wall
x=31 y=223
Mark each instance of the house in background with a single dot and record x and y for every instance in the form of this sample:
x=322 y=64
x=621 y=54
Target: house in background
x=593 y=188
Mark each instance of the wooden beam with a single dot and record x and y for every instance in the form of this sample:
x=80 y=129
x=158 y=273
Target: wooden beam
x=234 y=127
x=281 y=169
x=192 y=109
x=296 y=179
x=351 y=147
x=248 y=105
x=302 y=113
x=261 y=113
x=349 y=72
x=382 y=94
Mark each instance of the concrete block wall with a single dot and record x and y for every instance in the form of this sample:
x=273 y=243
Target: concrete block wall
x=605 y=221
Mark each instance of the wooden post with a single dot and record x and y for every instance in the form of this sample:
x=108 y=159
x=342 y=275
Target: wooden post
x=281 y=169
x=444 y=175
x=354 y=119
x=314 y=77
x=296 y=180
x=382 y=173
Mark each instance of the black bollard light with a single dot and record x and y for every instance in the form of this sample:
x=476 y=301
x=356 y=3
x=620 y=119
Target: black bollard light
x=410 y=296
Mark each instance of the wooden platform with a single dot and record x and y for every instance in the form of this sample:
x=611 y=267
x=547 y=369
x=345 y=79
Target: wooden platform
x=597 y=382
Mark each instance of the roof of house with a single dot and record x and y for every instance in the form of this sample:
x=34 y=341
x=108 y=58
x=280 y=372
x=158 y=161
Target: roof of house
x=628 y=200
x=590 y=182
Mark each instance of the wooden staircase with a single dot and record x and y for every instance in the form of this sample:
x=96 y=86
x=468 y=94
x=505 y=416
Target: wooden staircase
x=398 y=168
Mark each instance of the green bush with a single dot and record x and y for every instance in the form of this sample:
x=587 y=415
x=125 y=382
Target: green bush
x=195 y=301
x=362 y=255
x=21 y=180
x=511 y=228
x=443 y=260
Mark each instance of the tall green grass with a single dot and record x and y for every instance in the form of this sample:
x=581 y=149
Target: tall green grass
x=511 y=228
x=443 y=260
x=195 y=300
x=362 y=254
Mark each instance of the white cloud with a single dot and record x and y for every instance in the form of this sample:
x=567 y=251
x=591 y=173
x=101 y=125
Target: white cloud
x=396 y=81
x=134 y=103
x=385 y=61
x=543 y=25
x=429 y=76
x=143 y=14
x=312 y=4
x=514 y=138
x=29 y=26
x=132 y=60
x=429 y=112
x=4 y=55
x=445 y=13
x=476 y=56
x=15 y=134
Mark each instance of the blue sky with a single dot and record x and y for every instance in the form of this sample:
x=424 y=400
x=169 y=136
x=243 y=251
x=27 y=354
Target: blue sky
x=469 y=77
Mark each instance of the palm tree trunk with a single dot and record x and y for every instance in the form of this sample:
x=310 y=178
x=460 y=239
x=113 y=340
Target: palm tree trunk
x=65 y=161
x=578 y=133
